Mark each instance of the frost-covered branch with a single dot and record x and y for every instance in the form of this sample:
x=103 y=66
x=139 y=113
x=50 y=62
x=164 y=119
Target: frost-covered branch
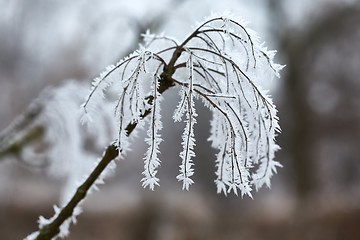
x=221 y=63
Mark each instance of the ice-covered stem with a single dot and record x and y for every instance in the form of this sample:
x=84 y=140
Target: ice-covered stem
x=51 y=230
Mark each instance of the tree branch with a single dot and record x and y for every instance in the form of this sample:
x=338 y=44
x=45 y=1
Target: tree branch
x=51 y=230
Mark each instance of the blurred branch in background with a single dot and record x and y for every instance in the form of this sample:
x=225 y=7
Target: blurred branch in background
x=21 y=132
x=321 y=91
x=15 y=147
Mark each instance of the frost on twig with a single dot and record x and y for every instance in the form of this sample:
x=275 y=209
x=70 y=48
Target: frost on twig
x=222 y=63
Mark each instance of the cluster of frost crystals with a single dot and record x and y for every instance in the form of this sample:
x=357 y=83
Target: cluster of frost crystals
x=187 y=104
x=64 y=228
x=151 y=159
x=222 y=63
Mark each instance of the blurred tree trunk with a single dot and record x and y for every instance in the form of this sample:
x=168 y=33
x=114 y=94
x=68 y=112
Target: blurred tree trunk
x=304 y=129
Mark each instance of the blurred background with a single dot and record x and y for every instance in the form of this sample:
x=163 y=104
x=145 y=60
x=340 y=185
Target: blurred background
x=316 y=195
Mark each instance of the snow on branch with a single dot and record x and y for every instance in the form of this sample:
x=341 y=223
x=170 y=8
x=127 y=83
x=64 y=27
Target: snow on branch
x=222 y=63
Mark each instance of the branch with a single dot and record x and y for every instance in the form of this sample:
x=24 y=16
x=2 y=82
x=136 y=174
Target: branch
x=16 y=147
x=51 y=230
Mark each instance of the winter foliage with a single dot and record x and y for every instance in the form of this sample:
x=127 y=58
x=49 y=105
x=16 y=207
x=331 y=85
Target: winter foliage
x=222 y=63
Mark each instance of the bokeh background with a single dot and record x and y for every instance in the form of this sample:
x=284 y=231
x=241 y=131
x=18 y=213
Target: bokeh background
x=316 y=195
